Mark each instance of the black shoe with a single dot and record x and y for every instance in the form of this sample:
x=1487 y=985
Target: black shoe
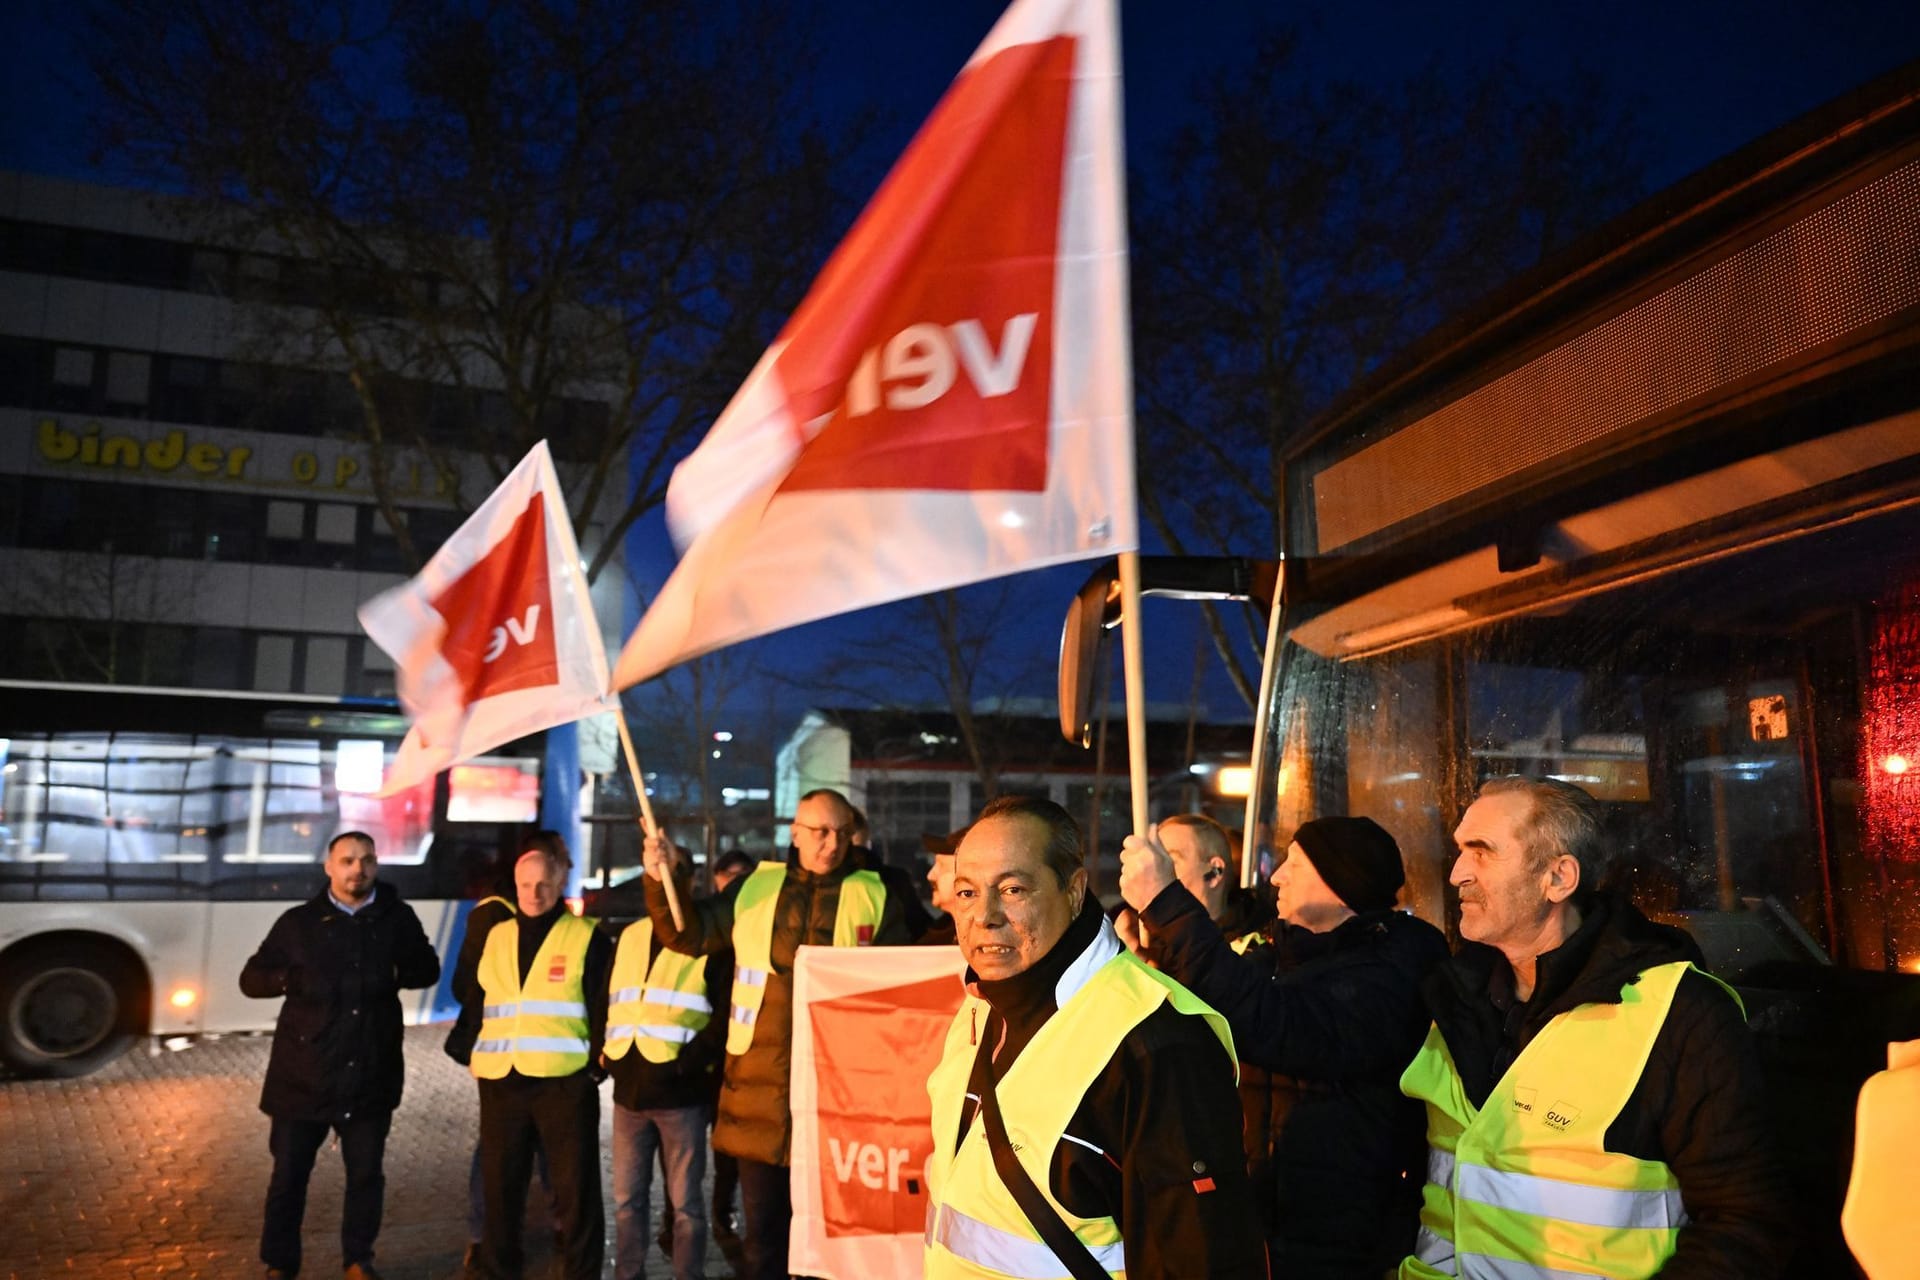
x=361 y=1271
x=280 y=1273
x=723 y=1228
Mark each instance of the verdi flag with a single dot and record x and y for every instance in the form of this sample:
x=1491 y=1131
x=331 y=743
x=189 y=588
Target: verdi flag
x=952 y=400
x=496 y=638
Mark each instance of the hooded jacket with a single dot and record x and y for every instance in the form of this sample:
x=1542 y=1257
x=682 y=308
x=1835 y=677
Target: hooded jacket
x=755 y=1120
x=1324 y=1025
x=336 y=1045
x=1700 y=1104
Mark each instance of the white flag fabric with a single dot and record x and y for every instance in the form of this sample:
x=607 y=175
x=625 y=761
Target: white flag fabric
x=869 y=1024
x=953 y=399
x=496 y=638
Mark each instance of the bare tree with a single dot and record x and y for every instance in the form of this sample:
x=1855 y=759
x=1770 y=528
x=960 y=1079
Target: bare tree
x=1310 y=230
x=957 y=649
x=500 y=221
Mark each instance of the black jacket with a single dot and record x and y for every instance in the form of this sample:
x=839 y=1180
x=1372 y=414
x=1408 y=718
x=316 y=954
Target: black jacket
x=690 y=1079
x=1700 y=1105
x=336 y=1045
x=1324 y=1024
x=1157 y=1136
x=755 y=1120
x=466 y=976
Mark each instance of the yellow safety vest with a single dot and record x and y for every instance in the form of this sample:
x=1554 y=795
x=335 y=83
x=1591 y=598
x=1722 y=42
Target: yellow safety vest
x=975 y=1228
x=541 y=1029
x=862 y=899
x=1523 y=1186
x=658 y=1003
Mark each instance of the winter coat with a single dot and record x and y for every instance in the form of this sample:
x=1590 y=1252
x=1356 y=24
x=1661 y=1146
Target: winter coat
x=1700 y=1104
x=1324 y=1025
x=336 y=1045
x=755 y=1120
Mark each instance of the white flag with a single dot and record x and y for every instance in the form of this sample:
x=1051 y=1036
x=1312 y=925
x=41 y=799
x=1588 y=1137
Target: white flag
x=953 y=399
x=496 y=638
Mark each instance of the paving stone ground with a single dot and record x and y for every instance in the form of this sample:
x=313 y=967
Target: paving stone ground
x=157 y=1166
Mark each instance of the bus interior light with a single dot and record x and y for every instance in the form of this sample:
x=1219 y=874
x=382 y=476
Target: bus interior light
x=1233 y=780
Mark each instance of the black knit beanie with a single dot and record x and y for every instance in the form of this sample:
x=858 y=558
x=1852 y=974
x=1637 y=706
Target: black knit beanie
x=1356 y=857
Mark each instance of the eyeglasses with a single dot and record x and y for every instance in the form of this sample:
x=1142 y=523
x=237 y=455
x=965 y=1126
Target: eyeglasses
x=821 y=833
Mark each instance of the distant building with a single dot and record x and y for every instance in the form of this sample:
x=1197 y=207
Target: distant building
x=177 y=509
x=911 y=773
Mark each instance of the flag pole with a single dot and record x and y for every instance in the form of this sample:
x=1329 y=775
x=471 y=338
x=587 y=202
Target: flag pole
x=648 y=825
x=1136 y=686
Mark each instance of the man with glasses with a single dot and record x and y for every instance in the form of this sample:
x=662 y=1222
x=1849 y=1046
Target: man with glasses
x=815 y=897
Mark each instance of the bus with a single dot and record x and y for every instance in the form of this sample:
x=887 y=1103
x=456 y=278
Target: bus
x=150 y=837
x=1648 y=522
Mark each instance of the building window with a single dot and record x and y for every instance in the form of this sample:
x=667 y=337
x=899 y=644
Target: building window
x=326 y=665
x=273 y=664
x=334 y=522
x=72 y=388
x=128 y=373
x=286 y=520
x=899 y=813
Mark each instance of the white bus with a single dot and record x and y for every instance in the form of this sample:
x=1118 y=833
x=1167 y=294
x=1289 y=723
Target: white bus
x=150 y=837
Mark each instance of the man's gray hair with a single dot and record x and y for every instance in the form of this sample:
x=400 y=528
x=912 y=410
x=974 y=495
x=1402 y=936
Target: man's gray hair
x=1564 y=819
x=552 y=848
x=1066 y=850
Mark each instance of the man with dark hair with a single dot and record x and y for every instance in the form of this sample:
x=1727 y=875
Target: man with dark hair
x=816 y=896
x=1326 y=1011
x=1117 y=1079
x=341 y=960
x=542 y=1000
x=1594 y=1102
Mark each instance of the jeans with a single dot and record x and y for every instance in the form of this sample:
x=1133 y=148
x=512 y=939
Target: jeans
x=766 y=1213
x=679 y=1134
x=294 y=1144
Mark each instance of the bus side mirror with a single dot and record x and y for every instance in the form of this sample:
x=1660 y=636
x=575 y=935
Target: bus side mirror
x=1096 y=608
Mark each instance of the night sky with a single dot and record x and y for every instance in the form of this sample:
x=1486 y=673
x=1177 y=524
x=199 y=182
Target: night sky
x=1698 y=78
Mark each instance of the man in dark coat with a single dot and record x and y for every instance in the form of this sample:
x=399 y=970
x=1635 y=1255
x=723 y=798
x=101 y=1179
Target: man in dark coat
x=755 y=1122
x=1541 y=941
x=1150 y=1147
x=340 y=960
x=1325 y=1016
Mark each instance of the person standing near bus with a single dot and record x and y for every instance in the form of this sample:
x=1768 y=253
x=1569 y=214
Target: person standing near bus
x=816 y=896
x=340 y=960
x=543 y=1005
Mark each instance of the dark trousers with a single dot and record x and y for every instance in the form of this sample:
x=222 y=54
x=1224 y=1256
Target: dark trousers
x=766 y=1211
x=726 y=1184
x=562 y=1116
x=294 y=1143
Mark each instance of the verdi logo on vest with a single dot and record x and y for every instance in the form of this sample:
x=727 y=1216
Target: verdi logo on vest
x=498 y=614
x=874 y=1052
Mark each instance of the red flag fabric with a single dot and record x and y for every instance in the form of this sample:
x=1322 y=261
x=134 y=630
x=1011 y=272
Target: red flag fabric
x=953 y=399
x=496 y=638
x=868 y=1029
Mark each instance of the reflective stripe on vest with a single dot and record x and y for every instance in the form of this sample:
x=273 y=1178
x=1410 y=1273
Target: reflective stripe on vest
x=1004 y=1253
x=1523 y=1185
x=657 y=999
x=863 y=897
x=539 y=1029
x=975 y=1227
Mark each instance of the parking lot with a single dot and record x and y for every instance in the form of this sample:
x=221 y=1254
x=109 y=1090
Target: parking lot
x=157 y=1165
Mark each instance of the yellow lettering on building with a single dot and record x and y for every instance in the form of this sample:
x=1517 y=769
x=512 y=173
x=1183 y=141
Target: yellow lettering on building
x=165 y=453
x=88 y=447
x=57 y=444
x=345 y=467
x=204 y=458
x=306 y=466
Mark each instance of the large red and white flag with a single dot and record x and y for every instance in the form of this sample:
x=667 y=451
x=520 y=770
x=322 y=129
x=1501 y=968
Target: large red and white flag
x=496 y=638
x=953 y=399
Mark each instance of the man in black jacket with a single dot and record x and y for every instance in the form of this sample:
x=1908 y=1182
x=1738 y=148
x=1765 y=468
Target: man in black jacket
x=1666 y=1093
x=1062 y=1024
x=1326 y=1012
x=340 y=960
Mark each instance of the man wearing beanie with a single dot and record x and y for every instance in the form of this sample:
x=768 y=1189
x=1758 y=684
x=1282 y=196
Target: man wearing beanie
x=1330 y=1013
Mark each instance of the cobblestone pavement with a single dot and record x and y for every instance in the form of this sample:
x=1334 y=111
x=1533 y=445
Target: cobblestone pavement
x=157 y=1166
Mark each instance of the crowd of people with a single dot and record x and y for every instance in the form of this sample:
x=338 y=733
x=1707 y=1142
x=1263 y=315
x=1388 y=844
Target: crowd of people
x=1205 y=1081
